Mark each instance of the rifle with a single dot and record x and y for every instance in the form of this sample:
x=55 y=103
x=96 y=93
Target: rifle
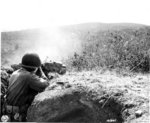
x=47 y=67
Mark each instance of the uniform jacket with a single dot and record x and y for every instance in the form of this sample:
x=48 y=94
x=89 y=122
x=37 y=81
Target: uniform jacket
x=23 y=86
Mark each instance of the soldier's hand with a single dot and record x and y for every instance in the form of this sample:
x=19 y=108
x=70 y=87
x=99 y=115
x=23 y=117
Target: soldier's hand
x=42 y=74
x=38 y=72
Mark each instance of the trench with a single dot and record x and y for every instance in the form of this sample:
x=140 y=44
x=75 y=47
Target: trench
x=110 y=111
x=104 y=110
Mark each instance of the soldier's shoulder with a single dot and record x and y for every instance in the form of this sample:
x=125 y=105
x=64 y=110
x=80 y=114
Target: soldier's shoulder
x=21 y=72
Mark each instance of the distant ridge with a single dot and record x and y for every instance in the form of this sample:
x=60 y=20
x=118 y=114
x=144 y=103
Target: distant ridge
x=13 y=42
x=90 y=25
x=103 y=26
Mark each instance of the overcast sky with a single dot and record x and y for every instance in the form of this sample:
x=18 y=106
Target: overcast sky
x=27 y=14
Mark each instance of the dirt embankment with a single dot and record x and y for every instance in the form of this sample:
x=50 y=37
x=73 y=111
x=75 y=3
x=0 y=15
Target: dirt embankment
x=93 y=96
x=90 y=96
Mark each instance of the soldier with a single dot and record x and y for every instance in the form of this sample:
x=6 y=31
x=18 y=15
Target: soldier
x=24 y=84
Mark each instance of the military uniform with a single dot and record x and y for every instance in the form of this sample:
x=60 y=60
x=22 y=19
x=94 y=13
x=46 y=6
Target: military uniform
x=23 y=86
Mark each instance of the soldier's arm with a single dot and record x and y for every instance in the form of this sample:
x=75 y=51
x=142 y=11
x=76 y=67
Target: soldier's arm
x=36 y=83
x=40 y=73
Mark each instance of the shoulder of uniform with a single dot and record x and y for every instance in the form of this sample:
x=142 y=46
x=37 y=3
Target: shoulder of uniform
x=32 y=75
x=22 y=72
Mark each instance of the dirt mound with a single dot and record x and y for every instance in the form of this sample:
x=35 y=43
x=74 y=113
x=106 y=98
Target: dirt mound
x=62 y=102
x=90 y=96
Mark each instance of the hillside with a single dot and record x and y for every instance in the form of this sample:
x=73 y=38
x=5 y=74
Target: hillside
x=108 y=62
x=123 y=46
x=15 y=42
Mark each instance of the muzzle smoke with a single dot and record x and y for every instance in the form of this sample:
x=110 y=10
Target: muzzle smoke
x=53 y=43
x=56 y=44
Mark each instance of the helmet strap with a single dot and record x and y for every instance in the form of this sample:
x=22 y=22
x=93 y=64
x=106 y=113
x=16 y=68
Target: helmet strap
x=26 y=66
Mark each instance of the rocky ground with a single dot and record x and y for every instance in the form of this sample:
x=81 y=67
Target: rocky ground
x=91 y=96
x=101 y=97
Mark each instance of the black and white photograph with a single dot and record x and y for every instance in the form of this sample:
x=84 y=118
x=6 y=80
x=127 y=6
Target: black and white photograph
x=75 y=61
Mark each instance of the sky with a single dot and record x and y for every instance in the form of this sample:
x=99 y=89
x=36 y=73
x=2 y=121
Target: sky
x=27 y=14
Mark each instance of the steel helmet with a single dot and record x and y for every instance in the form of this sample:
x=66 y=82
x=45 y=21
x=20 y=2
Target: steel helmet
x=31 y=60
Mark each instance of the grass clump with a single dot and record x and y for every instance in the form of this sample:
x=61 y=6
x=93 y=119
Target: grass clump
x=127 y=49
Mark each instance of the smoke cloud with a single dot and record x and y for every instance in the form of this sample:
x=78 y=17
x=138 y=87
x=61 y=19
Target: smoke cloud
x=56 y=44
x=53 y=43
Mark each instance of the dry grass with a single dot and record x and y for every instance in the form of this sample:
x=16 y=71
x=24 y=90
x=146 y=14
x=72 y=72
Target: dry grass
x=126 y=49
x=130 y=91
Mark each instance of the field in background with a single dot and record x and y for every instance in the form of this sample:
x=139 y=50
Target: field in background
x=121 y=47
x=84 y=46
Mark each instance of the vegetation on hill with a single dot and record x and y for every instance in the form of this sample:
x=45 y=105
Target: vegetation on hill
x=14 y=43
x=100 y=46
x=125 y=48
x=109 y=46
